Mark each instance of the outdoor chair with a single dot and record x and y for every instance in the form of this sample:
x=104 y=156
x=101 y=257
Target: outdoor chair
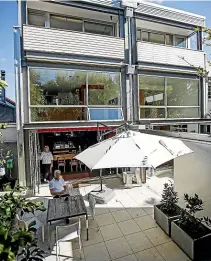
x=66 y=234
x=92 y=203
x=61 y=163
x=74 y=163
x=22 y=224
x=82 y=166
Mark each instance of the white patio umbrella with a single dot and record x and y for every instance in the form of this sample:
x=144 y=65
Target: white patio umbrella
x=132 y=149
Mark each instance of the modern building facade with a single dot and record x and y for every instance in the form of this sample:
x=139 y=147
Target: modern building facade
x=82 y=62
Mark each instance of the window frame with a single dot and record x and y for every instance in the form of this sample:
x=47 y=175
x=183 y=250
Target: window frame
x=87 y=106
x=162 y=33
x=165 y=106
x=114 y=25
x=209 y=89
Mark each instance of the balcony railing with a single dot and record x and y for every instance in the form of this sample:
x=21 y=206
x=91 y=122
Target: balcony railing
x=72 y=43
x=169 y=55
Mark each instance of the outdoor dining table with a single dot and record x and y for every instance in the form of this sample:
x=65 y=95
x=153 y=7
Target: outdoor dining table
x=65 y=208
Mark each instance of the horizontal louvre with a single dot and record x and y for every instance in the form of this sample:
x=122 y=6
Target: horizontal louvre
x=115 y=3
x=68 y=42
x=161 y=54
x=175 y=15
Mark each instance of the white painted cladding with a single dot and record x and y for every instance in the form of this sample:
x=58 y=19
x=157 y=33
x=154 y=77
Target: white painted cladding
x=161 y=54
x=73 y=43
x=170 y=14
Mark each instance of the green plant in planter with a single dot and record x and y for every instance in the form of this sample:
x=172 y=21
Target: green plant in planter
x=169 y=199
x=188 y=221
x=12 y=239
x=31 y=253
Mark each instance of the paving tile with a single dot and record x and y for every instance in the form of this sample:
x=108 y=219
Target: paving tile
x=110 y=232
x=137 y=212
x=171 y=252
x=121 y=215
x=129 y=227
x=157 y=236
x=138 y=241
x=127 y=258
x=149 y=210
x=145 y=222
x=92 y=223
x=118 y=248
x=105 y=219
x=95 y=237
x=150 y=254
x=96 y=252
x=100 y=211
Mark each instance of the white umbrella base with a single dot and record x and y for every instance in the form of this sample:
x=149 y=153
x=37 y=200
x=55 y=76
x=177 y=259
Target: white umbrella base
x=104 y=196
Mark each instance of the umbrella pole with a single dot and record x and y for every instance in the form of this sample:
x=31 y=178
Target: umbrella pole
x=101 y=181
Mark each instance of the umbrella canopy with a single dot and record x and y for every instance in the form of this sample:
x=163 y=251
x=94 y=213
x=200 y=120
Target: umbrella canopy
x=132 y=149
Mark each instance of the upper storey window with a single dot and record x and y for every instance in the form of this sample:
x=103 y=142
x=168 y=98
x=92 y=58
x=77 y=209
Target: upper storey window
x=66 y=23
x=36 y=18
x=161 y=38
x=39 y=18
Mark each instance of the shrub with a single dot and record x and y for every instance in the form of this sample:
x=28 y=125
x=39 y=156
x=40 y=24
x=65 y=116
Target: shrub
x=169 y=199
x=12 y=239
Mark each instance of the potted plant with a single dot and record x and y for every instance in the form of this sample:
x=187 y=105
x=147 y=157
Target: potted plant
x=15 y=241
x=190 y=233
x=167 y=211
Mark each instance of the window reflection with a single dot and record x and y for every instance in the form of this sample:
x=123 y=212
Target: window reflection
x=157 y=96
x=57 y=87
x=58 y=114
x=182 y=92
x=151 y=90
x=180 y=41
x=104 y=88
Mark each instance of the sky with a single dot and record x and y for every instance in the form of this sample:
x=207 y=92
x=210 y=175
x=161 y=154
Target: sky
x=8 y=19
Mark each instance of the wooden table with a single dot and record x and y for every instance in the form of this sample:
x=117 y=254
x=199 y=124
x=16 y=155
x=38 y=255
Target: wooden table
x=69 y=156
x=66 y=207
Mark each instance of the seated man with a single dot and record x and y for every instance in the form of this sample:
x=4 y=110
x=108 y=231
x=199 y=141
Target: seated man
x=57 y=185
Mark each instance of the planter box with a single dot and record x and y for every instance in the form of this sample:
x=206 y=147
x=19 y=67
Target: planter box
x=163 y=220
x=196 y=249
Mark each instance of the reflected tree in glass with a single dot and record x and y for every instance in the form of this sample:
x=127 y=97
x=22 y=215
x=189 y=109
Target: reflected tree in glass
x=151 y=90
x=104 y=88
x=182 y=92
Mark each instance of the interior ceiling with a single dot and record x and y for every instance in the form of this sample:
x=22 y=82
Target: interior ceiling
x=162 y=28
x=71 y=11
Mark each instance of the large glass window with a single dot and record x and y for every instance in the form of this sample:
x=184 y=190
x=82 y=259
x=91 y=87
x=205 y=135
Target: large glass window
x=66 y=95
x=58 y=114
x=57 y=87
x=97 y=28
x=104 y=88
x=166 y=97
x=151 y=90
x=66 y=23
x=182 y=92
x=105 y=114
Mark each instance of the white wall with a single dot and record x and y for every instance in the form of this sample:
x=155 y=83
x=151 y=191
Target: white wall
x=192 y=173
x=10 y=133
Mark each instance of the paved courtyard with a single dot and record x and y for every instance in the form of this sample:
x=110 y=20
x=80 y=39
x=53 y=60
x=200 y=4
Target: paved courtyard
x=123 y=229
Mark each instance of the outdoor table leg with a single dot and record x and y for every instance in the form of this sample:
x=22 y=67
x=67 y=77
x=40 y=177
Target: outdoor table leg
x=87 y=228
x=49 y=243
